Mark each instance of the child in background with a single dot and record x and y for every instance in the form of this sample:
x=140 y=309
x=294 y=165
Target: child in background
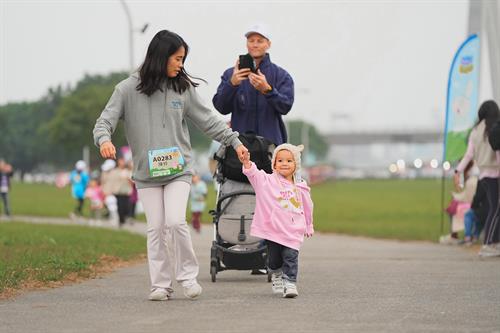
x=79 y=180
x=459 y=206
x=283 y=214
x=198 y=196
x=5 y=174
x=464 y=196
x=133 y=203
x=96 y=197
x=476 y=216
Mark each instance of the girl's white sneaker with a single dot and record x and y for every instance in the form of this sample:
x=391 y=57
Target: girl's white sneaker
x=277 y=283
x=290 y=290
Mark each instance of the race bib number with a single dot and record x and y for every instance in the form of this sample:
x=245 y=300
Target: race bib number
x=165 y=162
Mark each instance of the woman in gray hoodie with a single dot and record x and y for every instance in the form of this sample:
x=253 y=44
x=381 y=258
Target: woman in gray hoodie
x=154 y=104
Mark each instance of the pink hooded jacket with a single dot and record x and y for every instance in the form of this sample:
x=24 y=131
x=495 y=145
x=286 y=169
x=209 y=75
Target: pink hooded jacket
x=279 y=216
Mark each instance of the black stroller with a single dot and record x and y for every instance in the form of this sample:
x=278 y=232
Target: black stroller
x=233 y=248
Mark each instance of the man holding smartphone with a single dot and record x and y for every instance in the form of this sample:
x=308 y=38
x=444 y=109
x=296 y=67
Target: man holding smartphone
x=256 y=94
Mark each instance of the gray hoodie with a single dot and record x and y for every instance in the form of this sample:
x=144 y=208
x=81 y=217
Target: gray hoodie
x=157 y=122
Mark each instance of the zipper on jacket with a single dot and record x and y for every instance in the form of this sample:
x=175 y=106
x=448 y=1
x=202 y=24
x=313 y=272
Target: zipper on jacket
x=256 y=111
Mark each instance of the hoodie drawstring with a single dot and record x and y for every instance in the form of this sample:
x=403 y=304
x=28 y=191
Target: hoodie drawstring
x=165 y=109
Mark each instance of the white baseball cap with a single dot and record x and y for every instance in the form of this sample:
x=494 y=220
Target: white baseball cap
x=259 y=28
x=108 y=165
x=80 y=165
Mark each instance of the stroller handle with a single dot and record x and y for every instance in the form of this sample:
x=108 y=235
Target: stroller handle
x=230 y=195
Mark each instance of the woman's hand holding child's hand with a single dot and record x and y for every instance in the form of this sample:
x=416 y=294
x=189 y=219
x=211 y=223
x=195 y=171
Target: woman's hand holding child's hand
x=244 y=156
x=241 y=150
x=246 y=160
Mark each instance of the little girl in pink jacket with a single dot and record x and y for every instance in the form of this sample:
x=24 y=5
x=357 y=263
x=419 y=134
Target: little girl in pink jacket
x=283 y=214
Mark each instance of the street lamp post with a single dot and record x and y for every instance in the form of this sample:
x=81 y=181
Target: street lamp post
x=130 y=35
x=304 y=135
x=131 y=31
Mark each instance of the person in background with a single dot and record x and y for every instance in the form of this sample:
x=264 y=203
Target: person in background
x=107 y=188
x=488 y=162
x=133 y=202
x=257 y=100
x=198 y=197
x=464 y=197
x=96 y=197
x=475 y=217
x=79 y=180
x=121 y=187
x=5 y=175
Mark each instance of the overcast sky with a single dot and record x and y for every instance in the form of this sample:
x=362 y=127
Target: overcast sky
x=357 y=65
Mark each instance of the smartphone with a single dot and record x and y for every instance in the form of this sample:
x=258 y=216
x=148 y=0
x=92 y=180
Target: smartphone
x=246 y=61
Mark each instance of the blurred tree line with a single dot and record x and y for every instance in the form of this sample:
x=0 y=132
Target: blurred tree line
x=49 y=134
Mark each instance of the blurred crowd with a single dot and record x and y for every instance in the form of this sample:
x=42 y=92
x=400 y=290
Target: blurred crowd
x=110 y=191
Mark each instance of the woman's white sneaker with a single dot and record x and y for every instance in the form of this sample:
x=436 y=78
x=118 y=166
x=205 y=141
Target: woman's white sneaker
x=160 y=294
x=489 y=251
x=192 y=290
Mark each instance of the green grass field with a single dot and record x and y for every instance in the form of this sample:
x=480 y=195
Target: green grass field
x=41 y=200
x=45 y=253
x=401 y=209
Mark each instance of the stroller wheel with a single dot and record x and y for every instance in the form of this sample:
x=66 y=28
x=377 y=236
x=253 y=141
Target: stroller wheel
x=213 y=272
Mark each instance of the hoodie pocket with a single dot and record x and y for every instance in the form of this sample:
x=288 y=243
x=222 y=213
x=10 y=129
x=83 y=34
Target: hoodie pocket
x=287 y=222
x=141 y=166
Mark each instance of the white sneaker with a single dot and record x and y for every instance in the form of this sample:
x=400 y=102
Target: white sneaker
x=290 y=290
x=160 y=294
x=448 y=240
x=193 y=290
x=277 y=283
x=489 y=251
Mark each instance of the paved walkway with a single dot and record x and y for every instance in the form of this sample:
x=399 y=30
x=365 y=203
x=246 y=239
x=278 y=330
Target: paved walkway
x=347 y=284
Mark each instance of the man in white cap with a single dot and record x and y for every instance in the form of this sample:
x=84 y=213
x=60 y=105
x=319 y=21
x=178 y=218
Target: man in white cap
x=257 y=100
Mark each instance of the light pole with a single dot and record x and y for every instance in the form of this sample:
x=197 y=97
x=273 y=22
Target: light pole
x=131 y=31
x=304 y=137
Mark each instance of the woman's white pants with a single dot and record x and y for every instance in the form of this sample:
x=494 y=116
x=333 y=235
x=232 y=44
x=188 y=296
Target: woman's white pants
x=170 y=249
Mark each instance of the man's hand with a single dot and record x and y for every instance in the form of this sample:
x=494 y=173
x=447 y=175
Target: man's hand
x=259 y=82
x=239 y=74
x=108 y=150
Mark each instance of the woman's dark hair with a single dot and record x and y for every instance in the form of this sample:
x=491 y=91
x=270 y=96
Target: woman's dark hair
x=153 y=72
x=490 y=113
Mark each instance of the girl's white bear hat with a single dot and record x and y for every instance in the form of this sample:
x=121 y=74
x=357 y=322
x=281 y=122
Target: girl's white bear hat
x=296 y=152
